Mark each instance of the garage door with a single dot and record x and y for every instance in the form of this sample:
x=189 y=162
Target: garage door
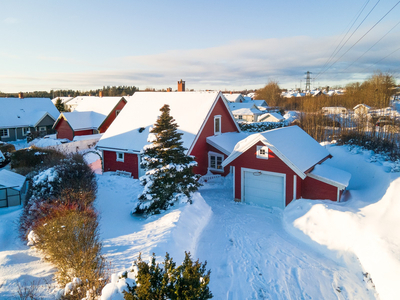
x=264 y=189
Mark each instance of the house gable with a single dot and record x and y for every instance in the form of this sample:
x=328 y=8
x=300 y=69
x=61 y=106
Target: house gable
x=63 y=128
x=112 y=115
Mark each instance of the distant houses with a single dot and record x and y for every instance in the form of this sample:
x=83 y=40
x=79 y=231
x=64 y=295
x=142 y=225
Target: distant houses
x=19 y=116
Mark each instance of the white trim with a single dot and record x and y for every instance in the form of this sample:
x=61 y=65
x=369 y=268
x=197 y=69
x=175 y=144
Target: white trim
x=233 y=173
x=217 y=146
x=40 y=128
x=8 y=133
x=219 y=118
x=262 y=156
x=338 y=195
x=120 y=159
x=44 y=116
x=211 y=153
x=243 y=170
x=219 y=95
x=294 y=187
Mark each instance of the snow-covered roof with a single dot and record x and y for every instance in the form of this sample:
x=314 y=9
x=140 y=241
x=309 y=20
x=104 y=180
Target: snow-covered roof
x=331 y=175
x=359 y=105
x=129 y=132
x=226 y=142
x=81 y=120
x=11 y=179
x=260 y=102
x=247 y=111
x=272 y=117
x=26 y=112
x=291 y=144
x=63 y=99
x=233 y=97
x=100 y=105
x=234 y=105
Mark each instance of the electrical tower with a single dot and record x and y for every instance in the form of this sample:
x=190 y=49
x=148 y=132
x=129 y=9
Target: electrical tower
x=308 y=81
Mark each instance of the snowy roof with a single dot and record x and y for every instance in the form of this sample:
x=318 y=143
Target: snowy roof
x=359 y=105
x=247 y=111
x=331 y=175
x=63 y=99
x=234 y=105
x=272 y=117
x=260 y=102
x=233 y=97
x=80 y=120
x=129 y=132
x=11 y=179
x=26 y=112
x=226 y=142
x=291 y=144
x=100 y=105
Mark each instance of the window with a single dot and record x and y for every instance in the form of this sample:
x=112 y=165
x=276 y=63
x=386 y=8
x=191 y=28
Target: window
x=25 y=131
x=240 y=117
x=117 y=112
x=120 y=156
x=262 y=152
x=217 y=125
x=42 y=128
x=4 y=133
x=214 y=161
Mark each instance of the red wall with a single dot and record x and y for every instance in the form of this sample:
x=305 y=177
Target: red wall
x=200 y=150
x=130 y=163
x=272 y=164
x=84 y=132
x=64 y=131
x=111 y=117
x=315 y=189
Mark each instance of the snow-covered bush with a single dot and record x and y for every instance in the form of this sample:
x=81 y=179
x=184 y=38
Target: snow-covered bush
x=69 y=239
x=168 y=281
x=260 y=126
x=169 y=175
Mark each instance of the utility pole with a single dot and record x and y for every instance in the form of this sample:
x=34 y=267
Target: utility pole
x=308 y=80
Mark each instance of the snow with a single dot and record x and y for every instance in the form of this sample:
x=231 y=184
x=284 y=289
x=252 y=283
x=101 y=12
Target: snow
x=311 y=250
x=333 y=174
x=130 y=130
x=226 y=142
x=87 y=137
x=44 y=143
x=99 y=105
x=26 y=112
x=11 y=179
x=82 y=120
x=292 y=144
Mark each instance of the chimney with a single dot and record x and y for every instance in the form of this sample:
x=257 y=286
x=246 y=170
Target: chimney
x=169 y=89
x=181 y=86
x=100 y=94
x=21 y=95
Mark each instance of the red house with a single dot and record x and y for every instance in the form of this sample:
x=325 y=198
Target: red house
x=198 y=114
x=275 y=167
x=93 y=115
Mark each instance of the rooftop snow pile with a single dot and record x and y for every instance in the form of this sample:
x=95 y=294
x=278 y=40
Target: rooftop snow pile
x=11 y=179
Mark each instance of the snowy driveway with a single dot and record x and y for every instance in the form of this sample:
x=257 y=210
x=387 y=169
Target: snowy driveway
x=252 y=257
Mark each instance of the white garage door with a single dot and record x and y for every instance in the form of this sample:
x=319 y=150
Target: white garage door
x=264 y=189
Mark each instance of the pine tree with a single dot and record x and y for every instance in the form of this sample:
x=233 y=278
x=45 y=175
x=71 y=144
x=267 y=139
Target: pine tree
x=60 y=105
x=169 y=175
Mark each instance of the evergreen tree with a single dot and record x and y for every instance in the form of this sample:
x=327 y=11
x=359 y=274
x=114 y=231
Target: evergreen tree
x=169 y=175
x=59 y=105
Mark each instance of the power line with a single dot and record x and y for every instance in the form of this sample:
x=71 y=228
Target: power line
x=362 y=36
x=366 y=69
x=335 y=51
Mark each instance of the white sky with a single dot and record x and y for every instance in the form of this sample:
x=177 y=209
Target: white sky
x=225 y=44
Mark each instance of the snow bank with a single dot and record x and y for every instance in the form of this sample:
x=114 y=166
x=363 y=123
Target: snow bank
x=366 y=226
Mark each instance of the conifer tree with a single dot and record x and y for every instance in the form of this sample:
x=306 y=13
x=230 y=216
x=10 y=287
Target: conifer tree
x=169 y=175
x=60 y=105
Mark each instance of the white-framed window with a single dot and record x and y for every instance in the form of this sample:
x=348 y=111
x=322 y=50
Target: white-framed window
x=214 y=161
x=120 y=156
x=262 y=152
x=42 y=128
x=4 y=133
x=117 y=112
x=217 y=125
x=240 y=117
x=25 y=131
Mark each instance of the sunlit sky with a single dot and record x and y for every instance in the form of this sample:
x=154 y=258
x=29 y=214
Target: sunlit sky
x=222 y=45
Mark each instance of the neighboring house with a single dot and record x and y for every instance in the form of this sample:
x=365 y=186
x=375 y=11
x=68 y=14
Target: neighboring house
x=238 y=98
x=334 y=110
x=260 y=103
x=271 y=117
x=275 y=167
x=93 y=115
x=362 y=109
x=245 y=111
x=64 y=100
x=22 y=115
x=198 y=114
x=12 y=188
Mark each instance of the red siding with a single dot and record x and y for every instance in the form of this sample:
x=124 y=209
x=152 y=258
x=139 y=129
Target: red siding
x=315 y=189
x=84 y=132
x=272 y=164
x=111 y=117
x=64 y=131
x=200 y=150
x=130 y=163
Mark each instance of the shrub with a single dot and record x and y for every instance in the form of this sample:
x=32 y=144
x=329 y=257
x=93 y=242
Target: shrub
x=28 y=160
x=260 y=126
x=7 y=150
x=70 y=182
x=69 y=239
x=187 y=281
